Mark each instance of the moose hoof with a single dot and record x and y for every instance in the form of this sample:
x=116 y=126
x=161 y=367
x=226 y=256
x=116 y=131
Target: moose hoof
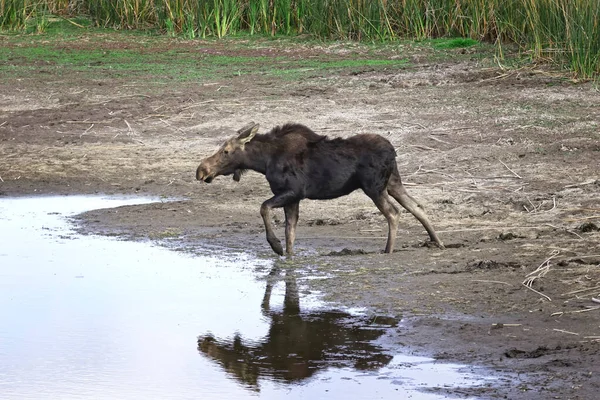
x=276 y=246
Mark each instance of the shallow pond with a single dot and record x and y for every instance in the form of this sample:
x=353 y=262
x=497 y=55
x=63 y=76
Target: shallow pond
x=95 y=317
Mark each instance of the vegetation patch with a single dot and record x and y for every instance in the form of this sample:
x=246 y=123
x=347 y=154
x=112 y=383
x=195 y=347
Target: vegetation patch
x=156 y=58
x=565 y=32
x=454 y=43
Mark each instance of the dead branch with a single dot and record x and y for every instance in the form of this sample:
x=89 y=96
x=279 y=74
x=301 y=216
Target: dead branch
x=438 y=140
x=575 y=233
x=574 y=311
x=540 y=272
x=535 y=291
x=486 y=281
x=171 y=126
x=508 y=168
x=105 y=122
x=432 y=171
x=131 y=131
x=582 y=218
x=545 y=266
x=498 y=228
x=580 y=291
x=197 y=104
x=421 y=147
x=86 y=131
x=588 y=182
x=442 y=131
x=114 y=99
x=567 y=332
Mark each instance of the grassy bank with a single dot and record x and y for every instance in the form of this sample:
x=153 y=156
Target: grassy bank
x=566 y=32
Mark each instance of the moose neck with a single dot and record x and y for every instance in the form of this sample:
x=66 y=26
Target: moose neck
x=257 y=153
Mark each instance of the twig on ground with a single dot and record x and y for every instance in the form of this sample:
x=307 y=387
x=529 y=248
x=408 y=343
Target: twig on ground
x=493 y=177
x=567 y=332
x=553 y=204
x=197 y=104
x=595 y=300
x=574 y=233
x=443 y=131
x=421 y=147
x=1 y=180
x=438 y=140
x=588 y=182
x=535 y=291
x=582 y=219
x=108 y=121
x=113 y=99
x=499 y=228
x=171 y=126
x=86 y=131
x=588 y=256
x=580 y=291
x=513 y=172
x=131 y=131
x=534 y=209
x=539 y=272
x=545 y=266
x=412 y=124
x=486 y=281
x=433 y=171
x=575 y=311
x=4 y=123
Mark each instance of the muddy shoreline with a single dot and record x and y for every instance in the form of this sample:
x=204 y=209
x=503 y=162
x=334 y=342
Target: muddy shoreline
x=506 y=168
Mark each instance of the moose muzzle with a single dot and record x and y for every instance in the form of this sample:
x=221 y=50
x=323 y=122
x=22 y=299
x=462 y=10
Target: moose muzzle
x=203 y=175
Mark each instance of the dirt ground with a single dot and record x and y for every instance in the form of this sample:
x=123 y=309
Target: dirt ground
x=505 y=163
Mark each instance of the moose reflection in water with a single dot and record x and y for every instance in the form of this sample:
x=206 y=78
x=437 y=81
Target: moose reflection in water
x=299 y=344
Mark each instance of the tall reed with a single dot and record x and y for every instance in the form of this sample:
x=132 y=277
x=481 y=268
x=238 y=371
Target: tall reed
x=14 y=14
x=566 y=31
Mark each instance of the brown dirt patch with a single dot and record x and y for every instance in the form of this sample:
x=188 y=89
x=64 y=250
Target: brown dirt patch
x=505 y=164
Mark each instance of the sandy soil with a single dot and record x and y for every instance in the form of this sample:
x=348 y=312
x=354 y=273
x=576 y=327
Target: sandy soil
x=505 y=163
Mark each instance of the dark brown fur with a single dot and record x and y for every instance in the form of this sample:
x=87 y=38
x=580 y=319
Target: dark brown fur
x=300 y=164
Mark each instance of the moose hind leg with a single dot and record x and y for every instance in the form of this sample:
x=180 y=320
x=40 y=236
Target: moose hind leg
x=396 y=189
x=389 y=210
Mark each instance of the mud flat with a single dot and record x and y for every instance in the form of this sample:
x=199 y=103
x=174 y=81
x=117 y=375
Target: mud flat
x=504 y=162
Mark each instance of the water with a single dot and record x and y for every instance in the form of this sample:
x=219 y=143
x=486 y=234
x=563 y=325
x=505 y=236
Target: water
x=93 y=317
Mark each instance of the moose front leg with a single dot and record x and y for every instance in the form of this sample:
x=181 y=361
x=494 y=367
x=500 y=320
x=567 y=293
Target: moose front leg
x=277 y=201
x=291 y=219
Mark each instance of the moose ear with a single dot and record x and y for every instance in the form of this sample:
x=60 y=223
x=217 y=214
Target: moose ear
x=247 y=133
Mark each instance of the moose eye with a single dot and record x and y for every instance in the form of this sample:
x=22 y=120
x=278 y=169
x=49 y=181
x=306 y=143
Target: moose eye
x=225 y=151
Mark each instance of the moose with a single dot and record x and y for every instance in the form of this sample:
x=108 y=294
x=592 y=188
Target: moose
x=301 y=164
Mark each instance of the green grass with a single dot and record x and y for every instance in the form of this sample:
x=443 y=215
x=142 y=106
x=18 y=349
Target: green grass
x=453 y=43
x=157 y=59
